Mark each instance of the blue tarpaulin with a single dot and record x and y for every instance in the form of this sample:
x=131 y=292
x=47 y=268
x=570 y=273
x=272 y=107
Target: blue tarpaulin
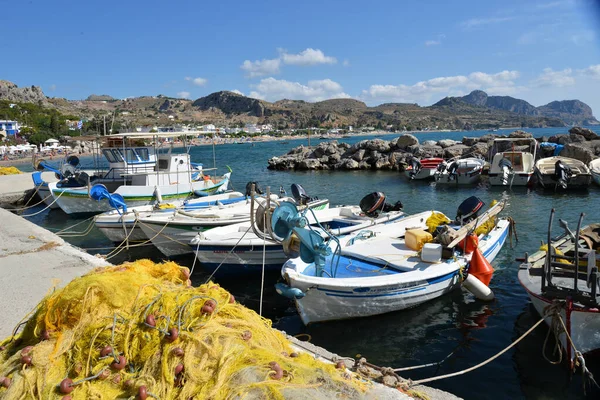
x=557 y=147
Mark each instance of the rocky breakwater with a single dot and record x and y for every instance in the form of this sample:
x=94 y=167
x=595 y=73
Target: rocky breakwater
x=378 y=154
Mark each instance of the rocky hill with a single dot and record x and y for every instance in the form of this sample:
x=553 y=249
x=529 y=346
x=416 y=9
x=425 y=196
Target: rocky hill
x=11 y=92
x=474 y=111
x=571 y=112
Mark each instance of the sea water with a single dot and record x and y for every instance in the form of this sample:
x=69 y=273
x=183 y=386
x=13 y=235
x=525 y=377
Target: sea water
x=456 y=323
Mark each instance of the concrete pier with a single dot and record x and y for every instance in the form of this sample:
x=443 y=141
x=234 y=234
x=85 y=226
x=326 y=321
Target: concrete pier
x=32 y=261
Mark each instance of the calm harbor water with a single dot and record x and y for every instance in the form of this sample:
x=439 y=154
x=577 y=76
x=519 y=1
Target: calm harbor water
x=457 y=323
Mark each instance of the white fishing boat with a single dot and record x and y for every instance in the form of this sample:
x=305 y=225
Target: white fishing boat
x=141 y=175
x=562 y=173
x=45 y=173
x=118 y=226
x=555 y=289
x=380 y=270
x=422 y=169
x=511 y=164
x=171 y=232
x=595 y=170
x=236 y=249
x=464 y=171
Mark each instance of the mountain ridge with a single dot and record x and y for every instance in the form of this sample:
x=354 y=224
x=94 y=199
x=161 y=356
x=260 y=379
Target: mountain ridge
x=476 y=110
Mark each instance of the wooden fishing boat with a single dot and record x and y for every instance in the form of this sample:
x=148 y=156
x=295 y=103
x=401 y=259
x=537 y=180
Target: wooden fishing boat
x=562 y=281
x=422 y=169
x=380 y=270
x=464 y=171
x=556 y=173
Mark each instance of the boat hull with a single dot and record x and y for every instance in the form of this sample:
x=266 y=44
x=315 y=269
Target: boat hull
x=579 y=182
x=329 y=299
x=584 y=323
x=518 y=179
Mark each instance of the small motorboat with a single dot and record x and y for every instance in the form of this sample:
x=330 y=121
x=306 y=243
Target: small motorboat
x=118 y=225
x=562 y=173
x=393 y=266
x=562 y=283
x=422 y=169
x=595 y=170
x=511 y=166
x=239 y=248
x=172 y=232
x=464 y=171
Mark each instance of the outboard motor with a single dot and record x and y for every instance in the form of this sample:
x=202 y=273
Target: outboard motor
x=562 y=174
x=452 y=168
x=300 y=195
x=249 y=188
x=468 y=209
x=374 y=204
x=440 y=170
x=415 y=163
x=507 y=168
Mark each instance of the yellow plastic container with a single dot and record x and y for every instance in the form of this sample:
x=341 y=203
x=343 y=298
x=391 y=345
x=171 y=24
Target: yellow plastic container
x=416 y=238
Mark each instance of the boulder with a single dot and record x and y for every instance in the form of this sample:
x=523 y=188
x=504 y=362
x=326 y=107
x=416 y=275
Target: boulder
x=520 y=134
x=446 y=143
x=309 y=164
x=489 y=137
x=578 y=151
x=349 y=164
x=359 y=155
x=456 y=151
x=332 y=148
x=469 y=141
x=594 y=145
x=380 y=145
x=358 y=145
x=576 y=138
x=364 y=165
x=402 y=142
x=335 y=158
x=431 y=151
x=382 y=162
x=588 y=134
x=479 y=149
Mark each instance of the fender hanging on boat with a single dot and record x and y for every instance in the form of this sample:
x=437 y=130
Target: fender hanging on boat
x=478 y=288
x=289 y=292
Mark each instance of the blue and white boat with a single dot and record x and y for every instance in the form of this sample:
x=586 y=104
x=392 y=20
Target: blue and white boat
x=375 y=272
x=140 y=174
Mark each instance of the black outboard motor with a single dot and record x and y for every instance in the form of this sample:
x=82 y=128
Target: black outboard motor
x=249 y=188
x=468 y=209
x=415 y=163
x=562 y=174
x=374 y=204
x=452 y=168
x=299 y=194
x=441 y=167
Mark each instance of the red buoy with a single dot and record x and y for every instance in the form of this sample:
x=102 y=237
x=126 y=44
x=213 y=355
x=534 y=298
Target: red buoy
x=481 y=268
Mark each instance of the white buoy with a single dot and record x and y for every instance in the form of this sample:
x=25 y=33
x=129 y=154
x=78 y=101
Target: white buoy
x=479 y=290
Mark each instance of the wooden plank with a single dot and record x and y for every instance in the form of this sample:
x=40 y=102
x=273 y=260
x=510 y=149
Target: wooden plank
x=476 y=223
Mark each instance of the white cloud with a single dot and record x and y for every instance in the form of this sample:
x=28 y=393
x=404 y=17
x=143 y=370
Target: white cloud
x=424 y=91
x=432 y=42
x=346 y=63
x=592 y=71
x=261 y=67
x=307 y=57
x=549 y=77
x=237 y=91
x=477 y=22
x=197 y=81
x=315 y=90
x=184 y=95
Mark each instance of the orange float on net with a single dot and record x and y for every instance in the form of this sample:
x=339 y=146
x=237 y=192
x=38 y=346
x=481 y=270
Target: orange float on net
x=481 y=268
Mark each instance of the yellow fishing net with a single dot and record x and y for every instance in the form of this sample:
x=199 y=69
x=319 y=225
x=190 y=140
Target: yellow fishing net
x=436 y=219
x=139 y=329
x=9 y=171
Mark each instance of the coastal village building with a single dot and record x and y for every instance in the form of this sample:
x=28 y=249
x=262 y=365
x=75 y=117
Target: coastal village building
x=10 y=127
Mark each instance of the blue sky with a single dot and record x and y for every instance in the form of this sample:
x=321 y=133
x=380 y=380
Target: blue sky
x=379 y=51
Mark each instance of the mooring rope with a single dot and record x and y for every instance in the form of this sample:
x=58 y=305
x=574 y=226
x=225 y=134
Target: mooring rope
x=45 y=208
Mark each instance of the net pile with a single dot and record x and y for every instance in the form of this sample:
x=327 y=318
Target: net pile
x=141 y=330
x=9 y=171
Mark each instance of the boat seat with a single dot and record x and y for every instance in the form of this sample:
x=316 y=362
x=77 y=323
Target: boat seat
x=393 y=254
